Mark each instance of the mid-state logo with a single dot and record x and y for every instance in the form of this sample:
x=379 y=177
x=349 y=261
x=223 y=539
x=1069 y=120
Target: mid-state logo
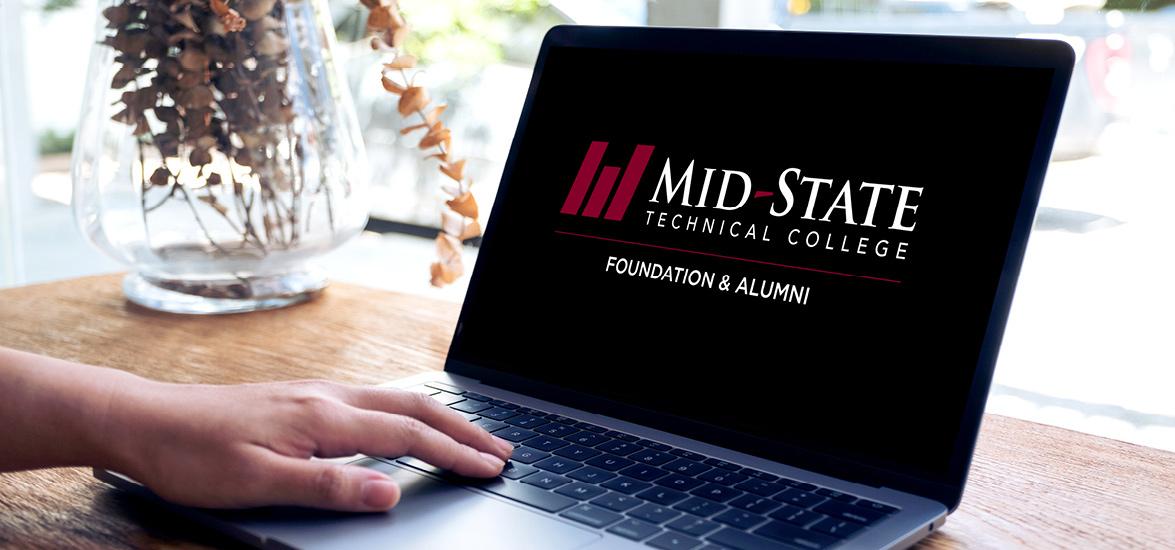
x=604 y=184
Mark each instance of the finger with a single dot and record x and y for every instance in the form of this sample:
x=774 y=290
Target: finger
x=428 y=410
x=327 y=485
x=381 y=434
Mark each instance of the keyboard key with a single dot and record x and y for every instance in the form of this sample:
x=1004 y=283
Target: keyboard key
x=679 y=482
x=561 y=419
x=716 y=492
x=755 y=504
x=650 y=457
x=515 y=434
x=836 y=495
x=653 y=513
x=498 y=413
x=691 y=525
x=686 y=467
x=634 y=529
x=617 y=501
x=503 y=404
x=751 y=472
x=741 y=519
x=591 y=515
x=555 y=429
x=610 y=463
x=546 y=443
x=591 y=474
x=545 y=480
x=526 y=494
x=586 y=438
x=883 y=508
x=621 y=436
x=577 y=452
x=626 y=485
x=835 y=527
x=654 y=445
x=661 y=495
x=531 y=412
x=526 y=455
x=619 y=448
x=722 y=477
x=468 y=416
x=803 y=499
x=722 y=464
x=643 y=472
x=790 y=534
x=699 y=506
x=514 y=470
x=674 y=541
x=447 y=398
x=688 y=454
x=445 y=387
x=739 y=540
x=590 y=427
x=527 y=421
x=806 y=487
x=797 y=516
x=558 y=465
x=841 y=510
x=760 y=487
x=476 y=396
x=582 y=491
x=470 y=406
x=490 y=425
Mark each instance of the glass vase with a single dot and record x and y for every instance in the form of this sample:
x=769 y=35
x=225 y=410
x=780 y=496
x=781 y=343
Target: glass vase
x=218 y=152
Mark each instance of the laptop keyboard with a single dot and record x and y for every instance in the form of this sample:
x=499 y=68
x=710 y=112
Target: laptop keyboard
x=647 y=491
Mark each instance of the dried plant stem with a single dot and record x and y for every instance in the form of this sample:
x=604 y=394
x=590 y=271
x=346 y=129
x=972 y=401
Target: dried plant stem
x=145 y=186
x=200 y=222
x=459 y=221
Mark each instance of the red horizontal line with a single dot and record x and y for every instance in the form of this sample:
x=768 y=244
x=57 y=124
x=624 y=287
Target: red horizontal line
x=725 y=257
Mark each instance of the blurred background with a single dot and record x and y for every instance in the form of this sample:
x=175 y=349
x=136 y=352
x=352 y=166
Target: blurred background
x=1091 y=341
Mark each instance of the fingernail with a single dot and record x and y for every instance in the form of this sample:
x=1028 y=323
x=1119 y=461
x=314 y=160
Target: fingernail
x=505 y=445
x=378 y=493
x=492 y=460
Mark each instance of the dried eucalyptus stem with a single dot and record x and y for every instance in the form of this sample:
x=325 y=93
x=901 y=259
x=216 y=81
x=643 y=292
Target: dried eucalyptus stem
x=206 y=83
x=459 y=219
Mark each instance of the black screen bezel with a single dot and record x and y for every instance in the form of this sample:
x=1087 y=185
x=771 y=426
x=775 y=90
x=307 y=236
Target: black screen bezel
x=999 y=52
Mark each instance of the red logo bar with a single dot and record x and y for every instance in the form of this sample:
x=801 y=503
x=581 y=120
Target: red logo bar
x=602 y=190
x=583 y=179
x=632 y=176
x=605 y=183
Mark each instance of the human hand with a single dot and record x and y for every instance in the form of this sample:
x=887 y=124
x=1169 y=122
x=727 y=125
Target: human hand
x=249 y=445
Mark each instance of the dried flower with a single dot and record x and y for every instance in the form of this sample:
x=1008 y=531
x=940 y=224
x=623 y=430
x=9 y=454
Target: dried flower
x=204 y=81
x=459 y=220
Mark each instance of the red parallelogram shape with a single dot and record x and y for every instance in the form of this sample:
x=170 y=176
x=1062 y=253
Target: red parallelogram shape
x=632 y=176
x=583 y=179
x=601 y=191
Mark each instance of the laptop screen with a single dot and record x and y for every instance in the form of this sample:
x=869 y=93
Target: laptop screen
x=802 y=250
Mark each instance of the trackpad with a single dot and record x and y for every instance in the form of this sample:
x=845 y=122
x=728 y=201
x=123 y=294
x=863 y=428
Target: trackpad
x=431 y=514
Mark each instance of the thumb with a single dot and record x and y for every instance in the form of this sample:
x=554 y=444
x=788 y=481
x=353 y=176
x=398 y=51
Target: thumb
x=330 y=486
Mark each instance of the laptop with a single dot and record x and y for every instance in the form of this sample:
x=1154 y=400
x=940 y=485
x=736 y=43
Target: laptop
x=739 y=289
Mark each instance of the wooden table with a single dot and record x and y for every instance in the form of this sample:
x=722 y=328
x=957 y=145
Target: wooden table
x=1031 y=485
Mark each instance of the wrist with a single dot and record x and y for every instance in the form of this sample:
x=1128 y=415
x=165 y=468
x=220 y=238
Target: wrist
x=113 y=430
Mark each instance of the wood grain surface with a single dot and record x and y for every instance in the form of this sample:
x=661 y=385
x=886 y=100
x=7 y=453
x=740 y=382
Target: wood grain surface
x=1031 y=485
